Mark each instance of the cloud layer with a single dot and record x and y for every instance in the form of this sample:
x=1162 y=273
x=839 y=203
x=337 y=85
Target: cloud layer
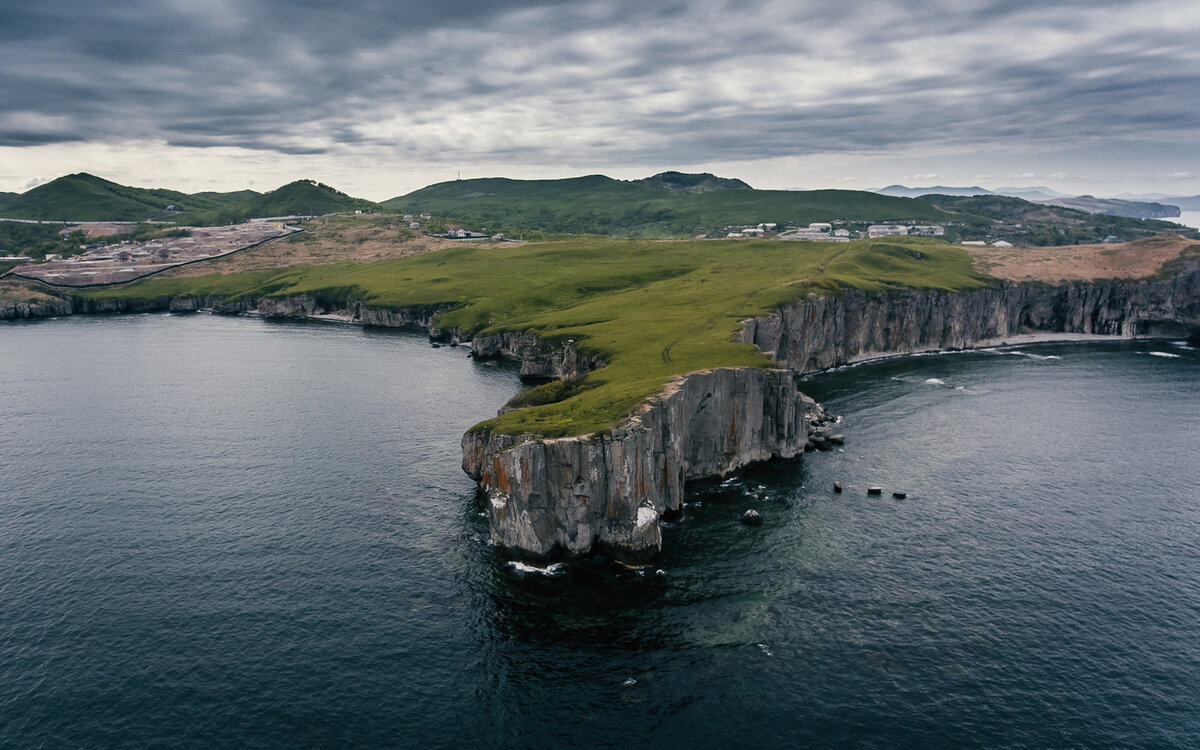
x=603 y=84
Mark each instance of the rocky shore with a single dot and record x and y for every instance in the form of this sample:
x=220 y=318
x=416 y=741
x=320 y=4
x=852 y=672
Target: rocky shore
x=607 y=491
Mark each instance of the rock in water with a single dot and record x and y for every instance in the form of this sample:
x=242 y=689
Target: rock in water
x=752 y=518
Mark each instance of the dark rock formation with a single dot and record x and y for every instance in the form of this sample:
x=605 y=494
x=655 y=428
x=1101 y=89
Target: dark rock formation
x=829 y=331
x=752 y=518
x=606 y=491
x=43 y=308
x=539 y=359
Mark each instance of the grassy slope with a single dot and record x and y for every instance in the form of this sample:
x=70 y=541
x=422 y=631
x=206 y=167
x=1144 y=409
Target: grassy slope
x=302 y=197
x=651 y=309
x=601 y=205
x=84 y=197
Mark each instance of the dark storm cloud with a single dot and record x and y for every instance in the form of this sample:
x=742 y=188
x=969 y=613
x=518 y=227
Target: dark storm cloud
x=595 y=81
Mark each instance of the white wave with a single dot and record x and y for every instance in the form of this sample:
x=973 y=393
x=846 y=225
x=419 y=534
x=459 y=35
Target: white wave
x=765 y=649
x=555 y=569
x=1168 y=355
x=1031 y=355
x=934 y=381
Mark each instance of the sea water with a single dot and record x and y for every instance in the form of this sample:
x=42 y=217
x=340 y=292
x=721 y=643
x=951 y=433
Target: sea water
x=228 y=532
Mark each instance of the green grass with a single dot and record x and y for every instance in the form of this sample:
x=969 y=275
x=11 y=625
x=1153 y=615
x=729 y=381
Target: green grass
x=652 y=310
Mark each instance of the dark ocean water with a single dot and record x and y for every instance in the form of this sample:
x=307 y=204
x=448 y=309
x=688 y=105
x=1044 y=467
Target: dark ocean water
x=225 y=532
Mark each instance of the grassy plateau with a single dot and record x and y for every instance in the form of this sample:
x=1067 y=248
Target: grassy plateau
x=650 y=309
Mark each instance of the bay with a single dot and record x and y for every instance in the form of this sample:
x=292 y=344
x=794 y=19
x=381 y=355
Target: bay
x=228 y=532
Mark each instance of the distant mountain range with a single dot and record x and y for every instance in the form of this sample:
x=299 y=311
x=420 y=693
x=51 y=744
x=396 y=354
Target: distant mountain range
x=668 y=204
x=1154 y=206
x=1034 y=194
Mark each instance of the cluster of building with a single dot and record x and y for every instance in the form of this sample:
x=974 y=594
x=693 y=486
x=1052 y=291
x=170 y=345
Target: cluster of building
x=826 y=231
x=101 y=263
x=413 y=223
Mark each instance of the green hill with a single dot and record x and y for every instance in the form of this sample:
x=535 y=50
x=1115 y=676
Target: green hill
x=670 y=204
x=236 y=196
x=299 y=198
x=85 y=197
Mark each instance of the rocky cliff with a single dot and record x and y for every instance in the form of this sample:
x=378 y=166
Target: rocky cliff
x=830 y=331
x=607 y=491
x=47 y=307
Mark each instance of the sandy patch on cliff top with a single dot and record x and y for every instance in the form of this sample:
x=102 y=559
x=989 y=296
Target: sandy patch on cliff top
x=1129 y=260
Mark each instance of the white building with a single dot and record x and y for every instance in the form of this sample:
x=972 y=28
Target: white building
x=928 y=230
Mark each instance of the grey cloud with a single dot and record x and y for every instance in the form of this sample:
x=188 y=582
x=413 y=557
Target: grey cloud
x=305 y=78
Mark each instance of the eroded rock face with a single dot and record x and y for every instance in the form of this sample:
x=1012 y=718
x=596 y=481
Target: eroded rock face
x=607 y=491
x=46 y=308
x=830 y=331
x=539 y=359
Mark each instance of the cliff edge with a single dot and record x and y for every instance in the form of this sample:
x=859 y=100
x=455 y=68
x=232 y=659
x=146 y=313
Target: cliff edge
x=607 y=491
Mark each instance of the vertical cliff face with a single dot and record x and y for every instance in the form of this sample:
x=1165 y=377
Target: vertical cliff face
x=539 y=359
x=43 y=308
x=829 y=331
x=607 y=491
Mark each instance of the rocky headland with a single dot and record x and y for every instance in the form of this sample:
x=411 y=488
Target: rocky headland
x=606 y=491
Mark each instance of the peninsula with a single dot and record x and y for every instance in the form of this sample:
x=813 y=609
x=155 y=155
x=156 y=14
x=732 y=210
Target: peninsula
x=652 y=363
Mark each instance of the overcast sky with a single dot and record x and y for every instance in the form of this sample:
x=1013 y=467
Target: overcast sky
x=380 y=97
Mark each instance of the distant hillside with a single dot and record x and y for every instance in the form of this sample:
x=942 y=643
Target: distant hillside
x=646 y=208
x=901 y=191
x=85 y=197
x=680 y=182
x=1040 y=193
x=1117 y=207
x=299 y=198
x=1023 y=222
x=228 y=198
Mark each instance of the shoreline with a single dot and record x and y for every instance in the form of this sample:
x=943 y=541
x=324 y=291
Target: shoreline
x=1007 y=342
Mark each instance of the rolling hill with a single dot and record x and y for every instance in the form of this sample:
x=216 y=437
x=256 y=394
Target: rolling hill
x=85 y=197
x=299 y=198
x=669 y=204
